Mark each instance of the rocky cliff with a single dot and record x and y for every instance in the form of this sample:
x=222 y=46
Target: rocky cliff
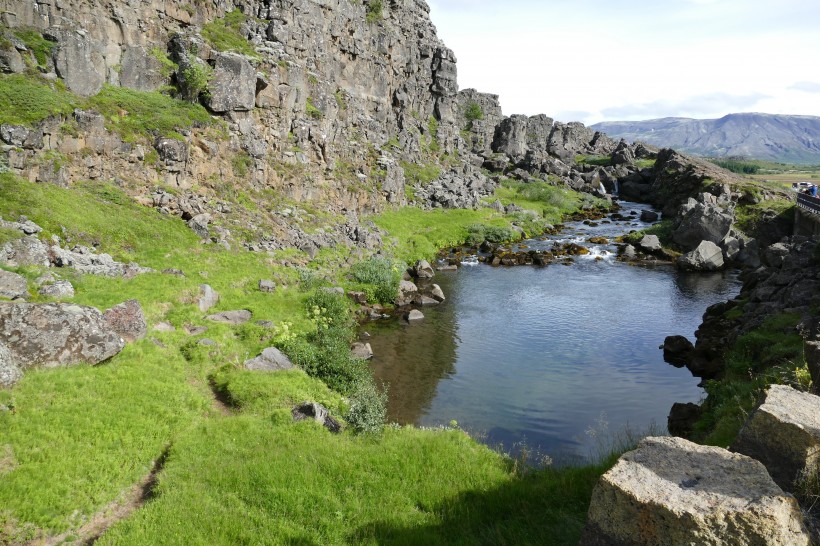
x=313 y=107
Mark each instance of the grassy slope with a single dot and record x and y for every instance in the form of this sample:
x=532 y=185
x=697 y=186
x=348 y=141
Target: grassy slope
x=79 y=437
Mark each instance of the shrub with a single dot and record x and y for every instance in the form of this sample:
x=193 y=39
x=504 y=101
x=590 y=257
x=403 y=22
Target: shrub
x=368 y=408
x=242 y=163
x=473 y=113
x=478 y=233
x=196 y=77
x=312 y=111
x=374 y=11
x=382 y=275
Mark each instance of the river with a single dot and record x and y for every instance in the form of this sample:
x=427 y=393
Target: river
x=558 y=358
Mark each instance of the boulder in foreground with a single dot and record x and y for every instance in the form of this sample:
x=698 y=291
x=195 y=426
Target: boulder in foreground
x=670 y=491
x=783 y=433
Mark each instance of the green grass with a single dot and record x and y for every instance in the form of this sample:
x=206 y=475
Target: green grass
x=264 y=393
x=662 y=229
x=421 y=234
x=27 y=100
x=82 y=435
x=420 y=173
x=39 y=46
x=772 y=353
x=225 y=34
x=551 y=202
x=249 y=480
x=136 y=114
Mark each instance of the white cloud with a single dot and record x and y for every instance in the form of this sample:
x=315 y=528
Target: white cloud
x=808 y=87
x=595 y=58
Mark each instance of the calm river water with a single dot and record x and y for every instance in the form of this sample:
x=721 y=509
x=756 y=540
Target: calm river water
x=546 y=355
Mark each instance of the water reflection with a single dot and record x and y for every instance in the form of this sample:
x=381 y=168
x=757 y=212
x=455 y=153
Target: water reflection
x=540 y=354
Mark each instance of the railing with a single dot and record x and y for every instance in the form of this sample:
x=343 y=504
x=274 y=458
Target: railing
x=809 y=203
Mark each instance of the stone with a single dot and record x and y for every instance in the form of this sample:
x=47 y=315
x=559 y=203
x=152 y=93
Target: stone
x=361 y=350
x=271 y=360
x=423 y=270
x=233 y=84
x=650 y=243
x=437 y=293
x=208 y=297
x=706 y=257
x=171 y=150
x=414 y=315
x=11 y=62
x=58 y=289
x=682 y=418
x=649 y=216
x=192 y=330
x=357 y=296
x=677 y=350
x=199 y=224
x=783 y=433
x=79 y=62
x=236 y=318
x=671 y=491
x=128 y=320
x=164 y=326
x=12 y=285
x=407 y=292
x=703 y=222
x=811 y=351
x=9 y=371
x=317 y=412
x=141 y=70
x=267 y=286
x=56 y=334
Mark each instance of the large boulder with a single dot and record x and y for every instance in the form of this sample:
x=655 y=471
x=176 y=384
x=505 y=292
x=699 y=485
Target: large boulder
x=670 y=491
x=233 y=85
x=12 y=285
x=141 y=70
x=702 y=221
x=128 y=320
x=79 y=61
x=56 y=334
x=407 y=293
x=677 y=350
x=784 y=434
x=271 y=360
x=706 y=257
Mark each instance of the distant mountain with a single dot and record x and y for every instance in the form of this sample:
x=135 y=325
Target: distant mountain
x=786 y=139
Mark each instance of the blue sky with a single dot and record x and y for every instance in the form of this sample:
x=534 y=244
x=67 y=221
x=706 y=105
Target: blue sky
x=596 y=60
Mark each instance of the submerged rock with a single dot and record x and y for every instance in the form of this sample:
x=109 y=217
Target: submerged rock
x=361 y=350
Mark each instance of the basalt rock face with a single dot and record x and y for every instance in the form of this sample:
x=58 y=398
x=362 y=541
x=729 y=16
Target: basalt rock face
x=787 y=281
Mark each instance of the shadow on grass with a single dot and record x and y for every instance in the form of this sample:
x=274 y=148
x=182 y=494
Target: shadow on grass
x=542 y=507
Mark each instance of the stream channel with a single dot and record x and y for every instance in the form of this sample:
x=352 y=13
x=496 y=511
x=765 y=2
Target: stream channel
x=560 y=359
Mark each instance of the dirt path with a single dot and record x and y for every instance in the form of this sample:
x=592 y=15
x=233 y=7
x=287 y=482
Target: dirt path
x=132 y=500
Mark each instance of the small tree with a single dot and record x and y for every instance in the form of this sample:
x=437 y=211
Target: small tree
x=473 y=113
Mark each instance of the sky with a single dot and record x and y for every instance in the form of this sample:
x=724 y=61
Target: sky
x=608 y=60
